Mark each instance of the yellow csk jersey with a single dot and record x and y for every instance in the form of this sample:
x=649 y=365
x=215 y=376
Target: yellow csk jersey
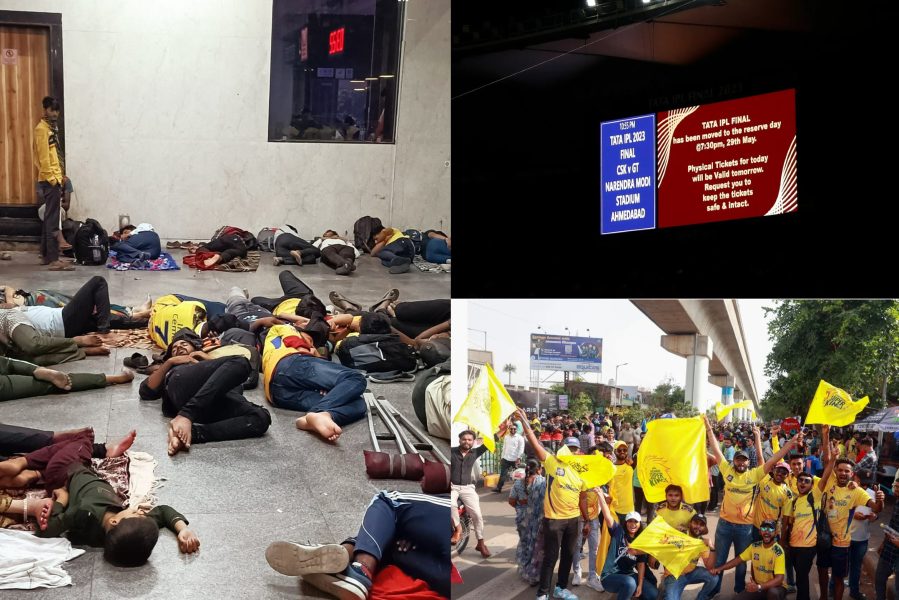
x=770 y=501
x=288 y=306
x=277 y=345
x=767 y=563
x=839 y=506
x=563 y=490
x=679 y=518
x=397 y=234
x=794 y=485
x=738 y=504
x=622 y=489
x=592 y=504
x=803 y=534
x=169 y=314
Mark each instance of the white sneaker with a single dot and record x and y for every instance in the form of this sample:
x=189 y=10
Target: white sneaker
x=543 y=597
x=578 y=576
x=593 y=582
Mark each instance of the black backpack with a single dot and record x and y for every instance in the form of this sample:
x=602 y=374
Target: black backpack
x=377 y=353
x=364 y=230
x=91 y=244
x=416 y=237
x=266 y=239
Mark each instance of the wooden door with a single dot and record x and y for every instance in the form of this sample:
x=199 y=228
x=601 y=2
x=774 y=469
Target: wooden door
x=24 y=81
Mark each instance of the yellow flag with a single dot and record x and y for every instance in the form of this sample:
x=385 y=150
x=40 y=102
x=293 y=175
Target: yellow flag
x=605 y=540
x=675 y=550
x=594 y=469
x=673 y=452
x=487 y=405
x=722 y=411
x=833 y=406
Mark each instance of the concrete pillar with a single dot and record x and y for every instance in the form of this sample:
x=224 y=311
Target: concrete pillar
x=726 y=383
x=697 y=349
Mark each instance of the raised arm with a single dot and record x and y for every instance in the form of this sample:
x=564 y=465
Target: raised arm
x=825 y=442
x=539 y=450
x=606 y=512
x=783 y=451
x=757 y=436
x=713 y=441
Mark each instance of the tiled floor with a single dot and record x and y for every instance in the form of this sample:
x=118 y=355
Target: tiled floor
x=241 y=495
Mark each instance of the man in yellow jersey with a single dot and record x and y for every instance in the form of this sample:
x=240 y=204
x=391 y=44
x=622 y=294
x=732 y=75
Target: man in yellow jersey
x=621 y=487
x=768 y=566
x=736 y=515
x=696 y=528
x=564 y=505
x=773 y=494
x=395 y=250
x=800 y=519
x=839 y=504
x=49 y=183
x=796 y=462
x=674 y=510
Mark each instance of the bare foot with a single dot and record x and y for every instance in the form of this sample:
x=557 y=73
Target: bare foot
x=182 y=427
x=96 y=351
x=124 y=377
x=86 y=341
x=118 y=449
x=322 y=424
x=138 y=314
x=297 y=257
x=146 y=306
x=112 y=338
x=57 y=378
x=41 y=511
x=175 y=445
x=212 y=260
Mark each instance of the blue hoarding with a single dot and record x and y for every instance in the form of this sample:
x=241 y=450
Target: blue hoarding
x=565 y=353
x=628 y=174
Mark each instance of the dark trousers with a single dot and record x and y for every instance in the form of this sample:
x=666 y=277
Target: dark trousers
x=558 y=535
x=209 y=393
x=286 y=242
x=15 y=440
x=292 y=288
x=337 y=256
x=640 y=501
x=88 y=310
x=401 y=248
x=140 y=246
x=857 y=551
x=775 y=593
x=413 y=318
x=417 y=518
x=802 y=559
x=506 y=466
x=228 y=247
x=16 y=380
x=55 y=460
x=50 y=196
x=213 y=308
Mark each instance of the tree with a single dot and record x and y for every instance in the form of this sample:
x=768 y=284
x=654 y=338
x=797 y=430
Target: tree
x=510 y=368
x=848 y=343
x=581 y=405
x=669 y=397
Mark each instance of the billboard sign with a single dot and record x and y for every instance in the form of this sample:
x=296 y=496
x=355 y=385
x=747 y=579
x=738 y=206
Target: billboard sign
x=565 y=353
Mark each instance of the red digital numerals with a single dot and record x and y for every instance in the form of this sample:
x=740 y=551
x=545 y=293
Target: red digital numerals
x=335 y=41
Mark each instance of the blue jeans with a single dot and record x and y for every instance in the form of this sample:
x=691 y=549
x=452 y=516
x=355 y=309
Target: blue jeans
x=592 y=545
x=437 y=251
x=298 y=382
x=857 y=552
x=886 y=566
x=403 y=247
x=740 y=536
x=675 y=587
x=625 y=585
x=140 y=246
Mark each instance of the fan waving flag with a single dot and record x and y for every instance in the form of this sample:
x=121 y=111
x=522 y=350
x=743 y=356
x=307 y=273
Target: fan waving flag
x=673 y=452
x=833 y=406
x=722 y=410
x=594 y=469
x=488 y=404
x=675 y=550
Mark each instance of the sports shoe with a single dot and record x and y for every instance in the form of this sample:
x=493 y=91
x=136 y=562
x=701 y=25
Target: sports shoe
x=563 y=594
x=291 y=558
x=594 y=583
x=400 y=264
x=343 y=269
x=578 y=575
x=350 y=584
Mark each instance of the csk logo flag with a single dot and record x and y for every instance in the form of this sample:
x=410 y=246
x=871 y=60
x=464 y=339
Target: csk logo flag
x=673 y=452
x=675 y=550
x=722 y=411
x=487 y=405
x=833 y=406
x=594 y=469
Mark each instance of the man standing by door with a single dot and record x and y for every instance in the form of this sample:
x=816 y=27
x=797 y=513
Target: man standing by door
x=49 y=183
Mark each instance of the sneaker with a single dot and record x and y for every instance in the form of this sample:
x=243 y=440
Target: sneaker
x=343 y=270
x=290 y=558
x=400 y=264
x=542 y=597
x=350 y=584
x=445 y=268
x=563 y=594
x=578 y=576
x=594 y=583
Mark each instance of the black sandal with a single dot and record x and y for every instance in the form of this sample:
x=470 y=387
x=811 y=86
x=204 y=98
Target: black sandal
x=136 y=361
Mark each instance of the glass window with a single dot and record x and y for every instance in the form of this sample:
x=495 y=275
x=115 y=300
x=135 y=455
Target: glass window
x=335 y=70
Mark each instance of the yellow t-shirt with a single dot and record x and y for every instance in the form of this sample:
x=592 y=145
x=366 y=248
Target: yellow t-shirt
x=770 y=501
x=397 y=234
x=794 y=485
x=839 y=506
x=767 y=563
x=288 y=306
x=622 y=489
x=274 y=349
x=592 y=504
x=169 y=314
x=737 y=506
x=691 y=566
x=803 y=534
x=563 y=490
x=842 y=450
x=46 y=157
x=852 y=449
x=678 y=518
